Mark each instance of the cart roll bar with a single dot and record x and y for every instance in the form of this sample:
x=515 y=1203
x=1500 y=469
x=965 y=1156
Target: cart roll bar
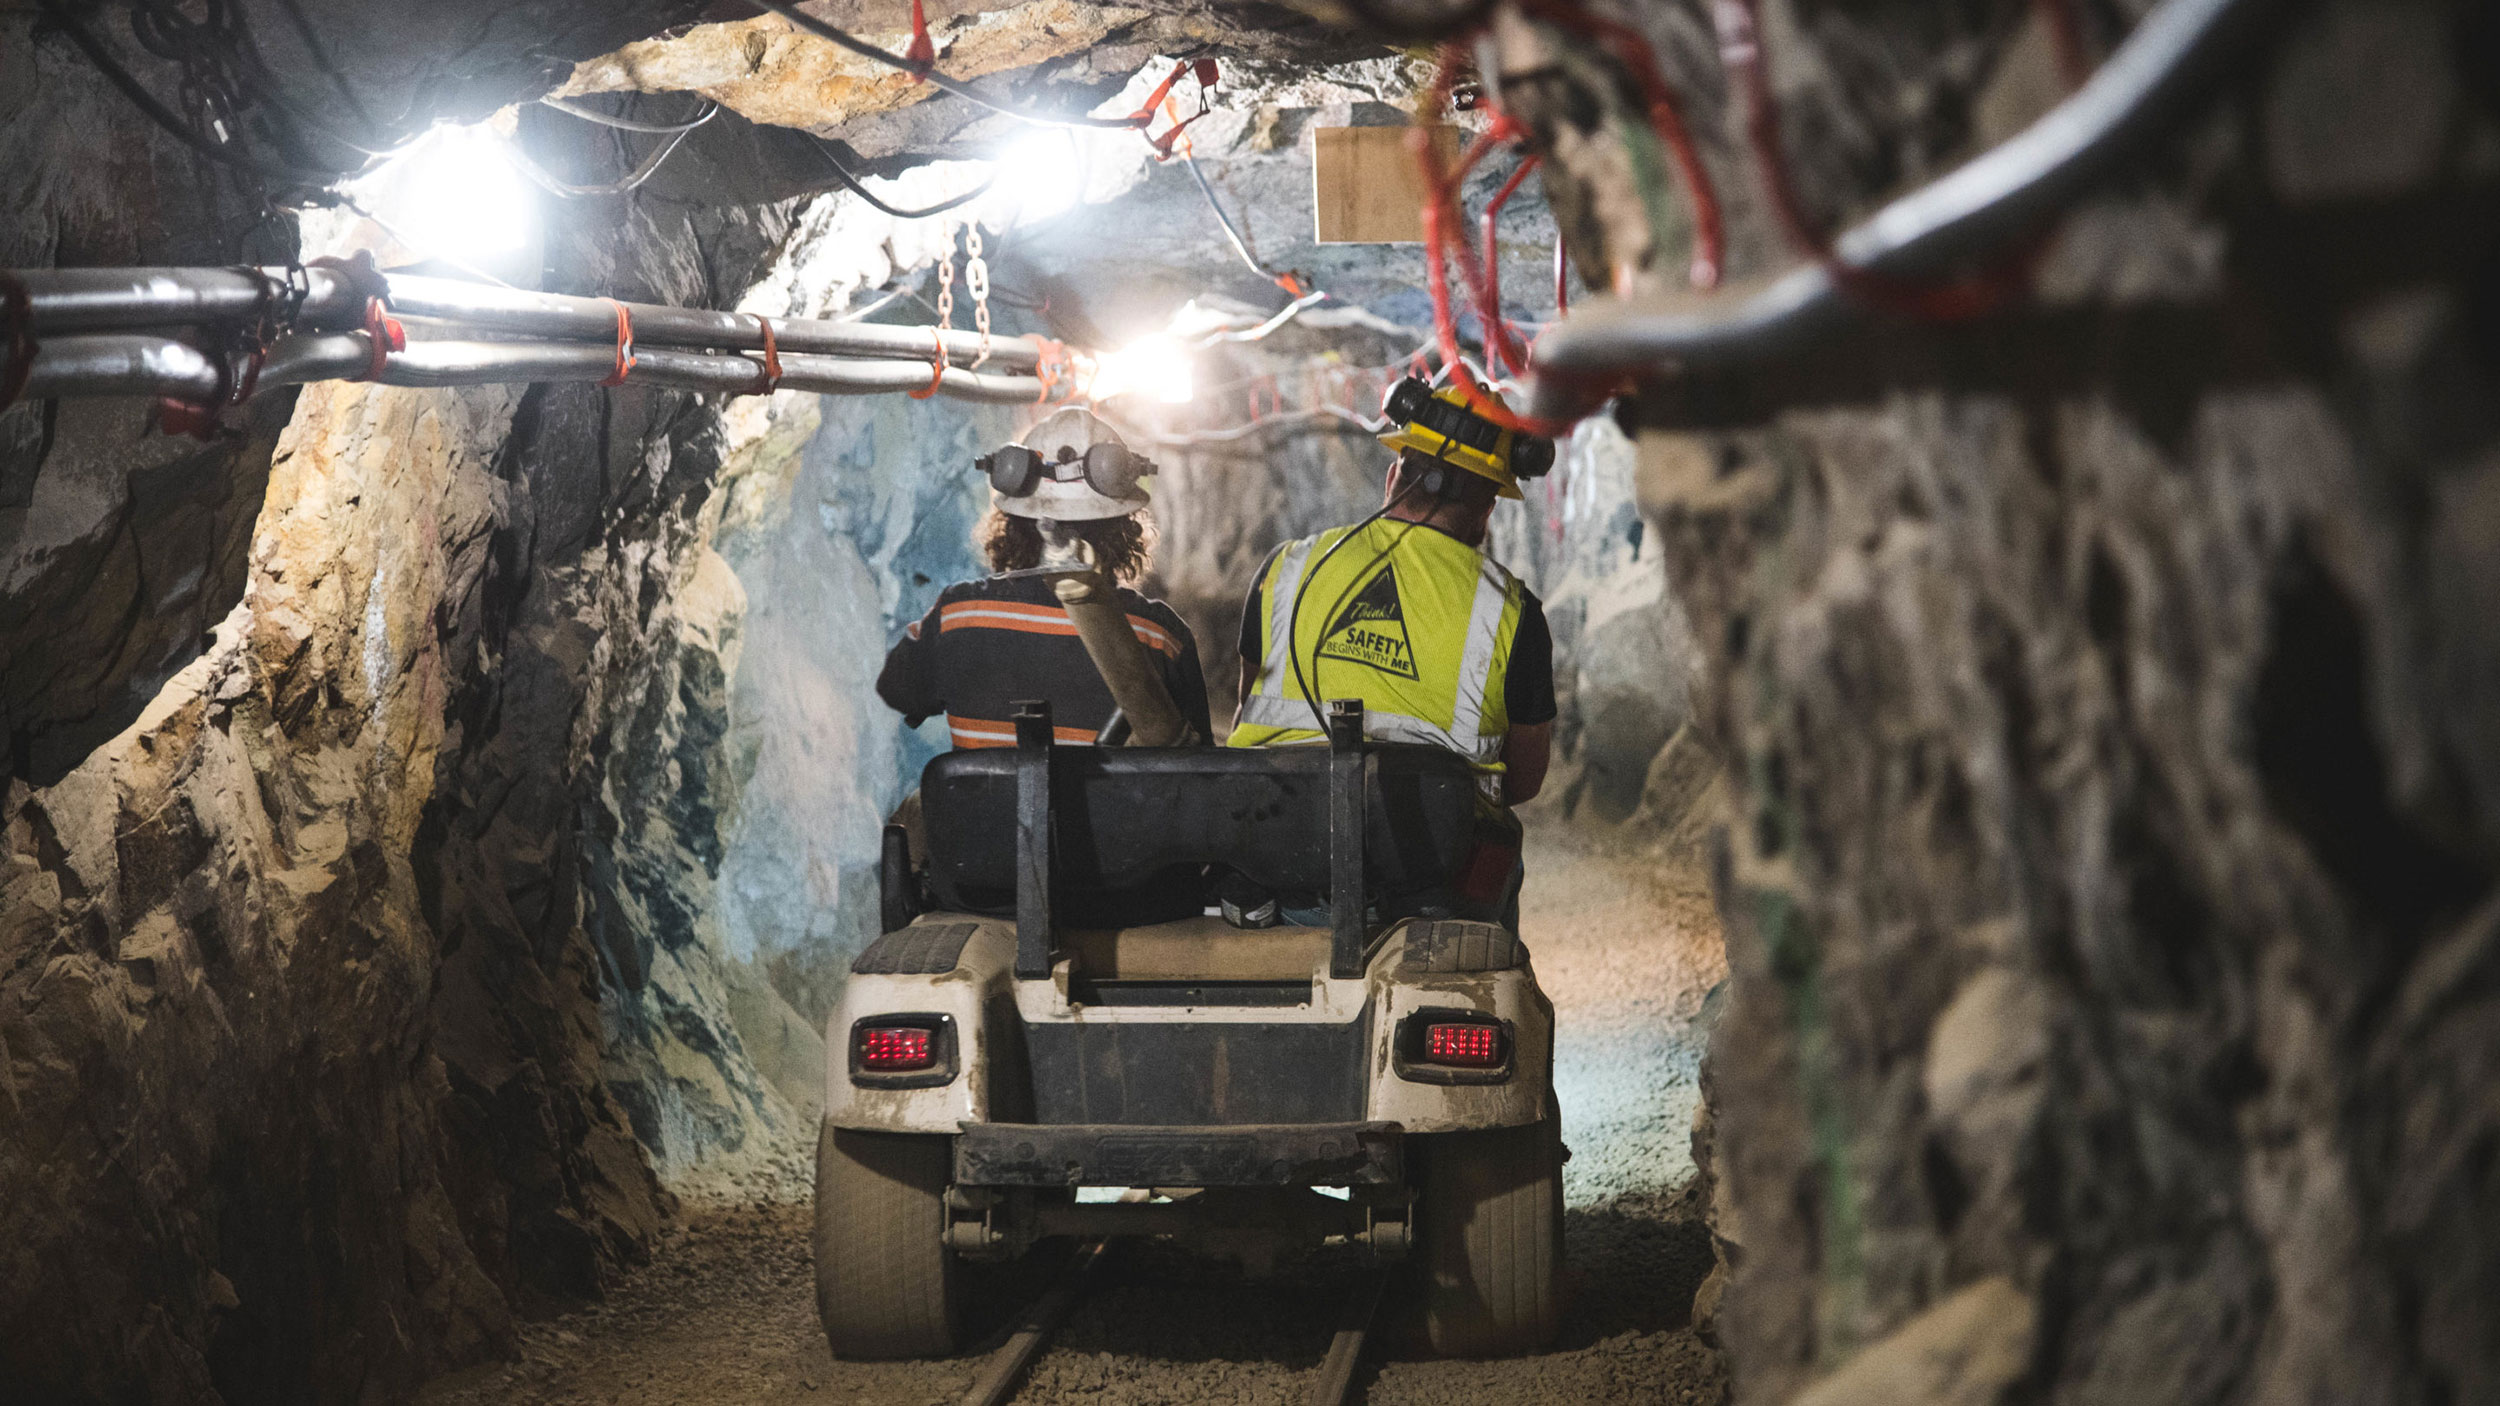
x=1033 y=840
x=1345 y=837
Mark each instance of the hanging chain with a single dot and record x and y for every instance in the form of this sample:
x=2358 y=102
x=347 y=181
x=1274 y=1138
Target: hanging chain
x=946 y=287
x=977 y=283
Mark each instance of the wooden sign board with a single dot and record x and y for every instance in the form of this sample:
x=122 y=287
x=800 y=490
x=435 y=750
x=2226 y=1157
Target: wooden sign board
x=1366 y=186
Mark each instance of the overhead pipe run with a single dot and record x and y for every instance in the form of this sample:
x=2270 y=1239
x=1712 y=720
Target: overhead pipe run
x=104 y=332
x=2170 y=62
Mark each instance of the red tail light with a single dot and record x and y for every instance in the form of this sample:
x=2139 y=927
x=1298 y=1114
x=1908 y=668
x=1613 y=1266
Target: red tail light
x=895 y=1048
x=1470 y=1046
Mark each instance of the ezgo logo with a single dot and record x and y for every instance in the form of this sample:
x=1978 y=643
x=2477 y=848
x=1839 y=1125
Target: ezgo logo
x=1371 y=630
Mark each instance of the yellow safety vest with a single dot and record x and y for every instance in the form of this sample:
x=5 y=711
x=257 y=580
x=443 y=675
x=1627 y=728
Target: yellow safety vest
x=1412 y=621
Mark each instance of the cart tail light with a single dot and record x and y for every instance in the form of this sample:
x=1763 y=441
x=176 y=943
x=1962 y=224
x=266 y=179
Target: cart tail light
x=1468 y=1046
x=894 y=1049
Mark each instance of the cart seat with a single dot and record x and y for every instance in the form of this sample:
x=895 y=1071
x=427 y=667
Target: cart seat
x=1135 y=827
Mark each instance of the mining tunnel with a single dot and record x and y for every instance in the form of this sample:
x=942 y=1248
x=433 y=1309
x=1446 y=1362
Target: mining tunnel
x=2008 y=917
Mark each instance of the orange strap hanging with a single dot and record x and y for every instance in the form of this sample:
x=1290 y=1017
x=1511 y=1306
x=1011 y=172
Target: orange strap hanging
x=767 y=376
x=624 y=345
x=923 y=52
x=1047 y=367
x=937 y=366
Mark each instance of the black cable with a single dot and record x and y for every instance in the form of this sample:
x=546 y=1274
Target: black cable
x=866 y=50
x=627 y=124
x=162 y=115
x=852 y=183
x=1230 y=233
x=1293 y=621
x=321 y=59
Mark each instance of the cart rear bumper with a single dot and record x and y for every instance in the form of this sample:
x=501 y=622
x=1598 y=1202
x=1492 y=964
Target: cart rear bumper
x=1102 y=1154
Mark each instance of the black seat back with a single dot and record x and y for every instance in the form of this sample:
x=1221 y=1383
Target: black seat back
x=1135 y=819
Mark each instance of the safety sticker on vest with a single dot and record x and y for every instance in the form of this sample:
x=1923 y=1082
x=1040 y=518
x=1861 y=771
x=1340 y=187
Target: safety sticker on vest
x=1371 y=630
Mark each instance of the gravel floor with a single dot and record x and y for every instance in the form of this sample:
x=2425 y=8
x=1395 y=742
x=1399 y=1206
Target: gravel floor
x=725 y=1312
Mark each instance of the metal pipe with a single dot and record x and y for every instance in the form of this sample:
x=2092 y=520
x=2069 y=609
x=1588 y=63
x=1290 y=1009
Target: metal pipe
x=2165 y=66
x=561 y=315
x=76 y=300
x=130 y=299
x=134 y=364
x=122 y=364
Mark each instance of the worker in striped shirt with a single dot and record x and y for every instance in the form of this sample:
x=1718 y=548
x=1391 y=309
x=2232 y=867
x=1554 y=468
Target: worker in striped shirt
x=991 y=643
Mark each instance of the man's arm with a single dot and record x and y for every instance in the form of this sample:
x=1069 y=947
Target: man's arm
x=1528 y=695
x=1526 y=754
x=908 y=683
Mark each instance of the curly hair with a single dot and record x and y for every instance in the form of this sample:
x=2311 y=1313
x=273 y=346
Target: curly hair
x=1123 y=546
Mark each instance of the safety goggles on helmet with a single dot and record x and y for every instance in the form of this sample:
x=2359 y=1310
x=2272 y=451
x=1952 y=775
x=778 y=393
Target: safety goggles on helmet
x=1108 y=469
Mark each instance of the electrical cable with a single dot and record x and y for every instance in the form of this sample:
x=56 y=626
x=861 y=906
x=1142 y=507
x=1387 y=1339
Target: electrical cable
x=2162 y=72
x=1302 y=590
x=1286 y=281
x=626 y=124
x=564 y=189
x=162 y=115
x=856 y=187
x=861 y=47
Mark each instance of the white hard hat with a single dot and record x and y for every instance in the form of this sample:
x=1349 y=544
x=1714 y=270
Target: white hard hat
x=1070 y=467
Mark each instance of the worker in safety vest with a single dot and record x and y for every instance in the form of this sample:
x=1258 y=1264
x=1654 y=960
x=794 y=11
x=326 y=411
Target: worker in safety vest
x=1406 y=612
x=990 y=643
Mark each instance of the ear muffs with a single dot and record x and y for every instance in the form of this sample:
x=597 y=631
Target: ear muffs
x=1013 y=470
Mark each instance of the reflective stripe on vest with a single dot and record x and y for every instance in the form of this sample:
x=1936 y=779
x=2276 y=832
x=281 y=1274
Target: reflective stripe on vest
x=1277 y=713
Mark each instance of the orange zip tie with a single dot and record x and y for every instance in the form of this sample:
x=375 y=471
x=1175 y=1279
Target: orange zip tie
x=767 y=376
x=937 y=367
x=1047 y=366
x=384 y=335
x=624 y=345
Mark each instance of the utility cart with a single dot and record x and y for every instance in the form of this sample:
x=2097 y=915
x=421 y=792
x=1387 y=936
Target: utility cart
x=1058 y=1009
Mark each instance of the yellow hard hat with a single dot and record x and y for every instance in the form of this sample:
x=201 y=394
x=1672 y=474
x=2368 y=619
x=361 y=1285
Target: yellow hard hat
x=1442 y=425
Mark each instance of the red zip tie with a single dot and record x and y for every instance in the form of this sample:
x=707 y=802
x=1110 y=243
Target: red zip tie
x=384 y=335
x=624 y=345
x=1562 y=278
x=767 y=376
x=922 y=53
x=937 y=367
x=19 y=307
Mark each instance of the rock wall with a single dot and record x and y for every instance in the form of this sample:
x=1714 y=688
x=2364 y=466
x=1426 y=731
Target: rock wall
x=343 y=986
x=861 y=527
x=2110 y=692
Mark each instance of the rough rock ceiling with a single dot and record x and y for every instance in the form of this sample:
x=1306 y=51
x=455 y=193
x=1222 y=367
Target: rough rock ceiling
x=768 y=71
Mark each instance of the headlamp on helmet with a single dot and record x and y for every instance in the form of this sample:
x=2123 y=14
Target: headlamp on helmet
x=1442 y=425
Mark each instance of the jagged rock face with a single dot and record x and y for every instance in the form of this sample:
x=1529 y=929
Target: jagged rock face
x=2110 y=691
x=323 y=975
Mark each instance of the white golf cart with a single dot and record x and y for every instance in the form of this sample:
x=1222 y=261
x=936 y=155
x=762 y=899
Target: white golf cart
x=1071 y=1011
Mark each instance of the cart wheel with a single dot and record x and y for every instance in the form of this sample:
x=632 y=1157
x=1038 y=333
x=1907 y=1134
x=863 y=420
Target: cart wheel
x=1489 y=1247
x=885 y=1281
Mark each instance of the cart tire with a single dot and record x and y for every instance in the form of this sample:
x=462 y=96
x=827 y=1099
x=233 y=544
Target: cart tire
x=1489 y=1228
x=885 y=1281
